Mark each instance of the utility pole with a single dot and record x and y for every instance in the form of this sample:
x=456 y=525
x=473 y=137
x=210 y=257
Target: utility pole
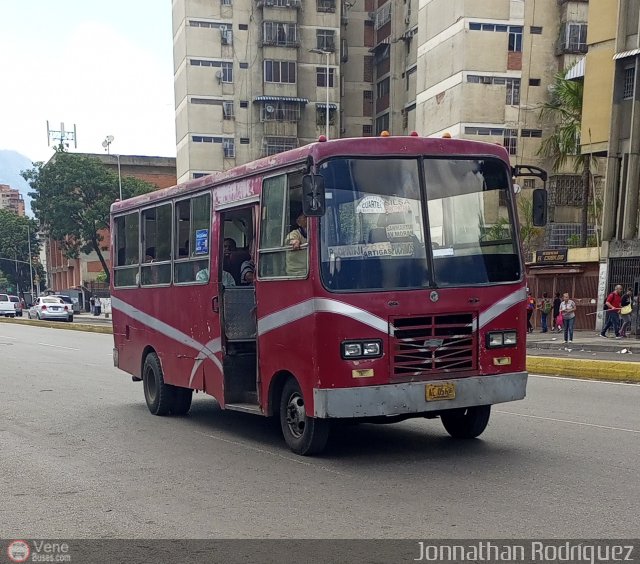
x=30 y=261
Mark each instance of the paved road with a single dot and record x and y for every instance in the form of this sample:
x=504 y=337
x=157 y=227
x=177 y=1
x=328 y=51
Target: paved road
x=82 y=457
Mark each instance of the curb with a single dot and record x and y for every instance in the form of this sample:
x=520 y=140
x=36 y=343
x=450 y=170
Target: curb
x=74 y=326
x=613 y=370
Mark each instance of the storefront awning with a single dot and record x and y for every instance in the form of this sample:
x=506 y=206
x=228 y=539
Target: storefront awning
x=323 y=105
x=625 y=54
x=281 y=99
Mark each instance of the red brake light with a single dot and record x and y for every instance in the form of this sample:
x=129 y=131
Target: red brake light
x=66 y=308
x=44 y=307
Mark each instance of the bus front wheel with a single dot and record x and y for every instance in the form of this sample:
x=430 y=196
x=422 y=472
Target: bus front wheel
x=466 y=423
x=159 y=396
x=304 y=435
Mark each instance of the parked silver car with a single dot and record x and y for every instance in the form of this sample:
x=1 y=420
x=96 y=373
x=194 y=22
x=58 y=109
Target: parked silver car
x=50 y=307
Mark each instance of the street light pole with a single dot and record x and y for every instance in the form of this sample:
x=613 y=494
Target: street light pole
x=119 y=177
x=30 y=260
x=107 y=147
x=326 y=109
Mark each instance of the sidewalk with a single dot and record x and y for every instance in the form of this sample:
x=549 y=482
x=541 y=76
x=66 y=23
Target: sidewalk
x=589 y=356
x=86 y=317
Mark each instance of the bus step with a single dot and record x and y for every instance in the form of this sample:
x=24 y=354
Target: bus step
x=244 y=407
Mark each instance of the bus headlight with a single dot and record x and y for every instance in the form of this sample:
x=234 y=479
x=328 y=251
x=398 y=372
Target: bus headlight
x=501 y=339
x=351 y=350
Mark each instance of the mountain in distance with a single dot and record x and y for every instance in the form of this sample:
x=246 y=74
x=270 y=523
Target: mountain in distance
x=11 y=164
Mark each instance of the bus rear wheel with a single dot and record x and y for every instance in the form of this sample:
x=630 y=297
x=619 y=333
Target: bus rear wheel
x=467 y=422
x=304 y=435
x=159 y=396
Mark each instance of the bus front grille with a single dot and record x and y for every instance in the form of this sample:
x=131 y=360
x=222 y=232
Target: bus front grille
x=427 y=345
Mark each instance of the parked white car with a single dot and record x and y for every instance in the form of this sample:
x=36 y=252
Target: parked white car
x=7 y=307
x=50 y=307
x=17 y=304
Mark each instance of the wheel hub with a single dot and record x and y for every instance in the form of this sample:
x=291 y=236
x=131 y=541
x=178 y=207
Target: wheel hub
x=296 y=415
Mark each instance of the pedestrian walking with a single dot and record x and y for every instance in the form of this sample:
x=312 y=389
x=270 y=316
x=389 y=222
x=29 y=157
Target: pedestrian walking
x=531 y=306
x=612 y=308
x=546 y=307
x=92 y=305
x=556 y=327
x=626 y=310
x=568 y=312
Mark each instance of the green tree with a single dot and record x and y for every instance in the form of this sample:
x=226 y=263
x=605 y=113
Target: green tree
x=72 y=195
x=14 y=250
x=564 y=109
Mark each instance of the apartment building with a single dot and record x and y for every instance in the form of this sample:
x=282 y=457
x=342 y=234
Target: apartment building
x=252 y=79
x=611 y=130
x=11 y=199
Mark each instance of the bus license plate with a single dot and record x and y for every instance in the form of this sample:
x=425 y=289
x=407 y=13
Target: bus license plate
x=440 y=391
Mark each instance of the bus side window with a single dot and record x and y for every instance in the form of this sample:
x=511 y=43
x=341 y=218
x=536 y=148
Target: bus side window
x=125 y=272
x=192 y=220
x=281 y=206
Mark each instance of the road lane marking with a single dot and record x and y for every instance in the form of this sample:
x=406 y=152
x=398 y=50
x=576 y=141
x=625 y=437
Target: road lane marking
x=586 y=381
x=58 y=347
x=6 y=337
x=275 y=454
x=571 y=422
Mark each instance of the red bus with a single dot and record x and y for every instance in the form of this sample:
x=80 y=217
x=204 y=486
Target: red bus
x=370 y=279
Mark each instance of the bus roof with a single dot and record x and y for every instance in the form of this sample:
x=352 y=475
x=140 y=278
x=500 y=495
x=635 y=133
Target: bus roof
x=405 y=146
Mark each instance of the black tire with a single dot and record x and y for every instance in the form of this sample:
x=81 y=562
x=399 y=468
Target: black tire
x=181 y=400
x=159 y=396
x=466 y=423
x=70 y=319
x=304 y=435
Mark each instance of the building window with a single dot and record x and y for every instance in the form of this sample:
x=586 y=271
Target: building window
x=534 y=82
x=510 y=141
x=227 y=110
x=321 y=115
x=226 y=2
x=199 y=175
x=408 y=75
x=494 y=131
x=367 y=131
x=566 y=189
x=382 y=88
x=227 y=72
x=326 y=5
x=573 y=38
x=206 y=139
x=515 y=38
x=529 y=183
x=382 y=124
x=535 y=30
x=244 y=65
x=367 y=103
x=383 y=15
x=280 y=34
x=243 y=27
x=244 y=140
x=513 y=91
x=275 y=145
x=280 y=111
x=367 y=73
x=283 y=72
x=325 y=40
x=244 y=104
x=229 y=148
x=531 y=133
x=629 y=79
x=321 y=76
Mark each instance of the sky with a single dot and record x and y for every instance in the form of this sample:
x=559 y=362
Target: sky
x=106 y=67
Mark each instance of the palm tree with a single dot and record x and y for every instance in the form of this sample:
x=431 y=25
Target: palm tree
x=564 y=108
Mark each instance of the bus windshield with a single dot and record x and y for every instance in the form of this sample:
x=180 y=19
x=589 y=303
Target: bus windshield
x=373 y=236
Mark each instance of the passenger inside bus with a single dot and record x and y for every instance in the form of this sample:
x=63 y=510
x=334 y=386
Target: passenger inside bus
x=296 y=261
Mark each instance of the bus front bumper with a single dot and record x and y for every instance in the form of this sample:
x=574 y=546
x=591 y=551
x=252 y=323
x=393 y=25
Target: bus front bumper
x=410 y=397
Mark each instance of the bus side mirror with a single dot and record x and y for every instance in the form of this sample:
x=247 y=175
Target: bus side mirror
x=313 y=204
x=539 y=207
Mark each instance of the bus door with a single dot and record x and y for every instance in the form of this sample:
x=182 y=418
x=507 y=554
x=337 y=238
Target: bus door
x=238 y=305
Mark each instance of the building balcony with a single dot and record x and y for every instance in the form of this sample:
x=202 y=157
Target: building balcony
x=295 y=4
